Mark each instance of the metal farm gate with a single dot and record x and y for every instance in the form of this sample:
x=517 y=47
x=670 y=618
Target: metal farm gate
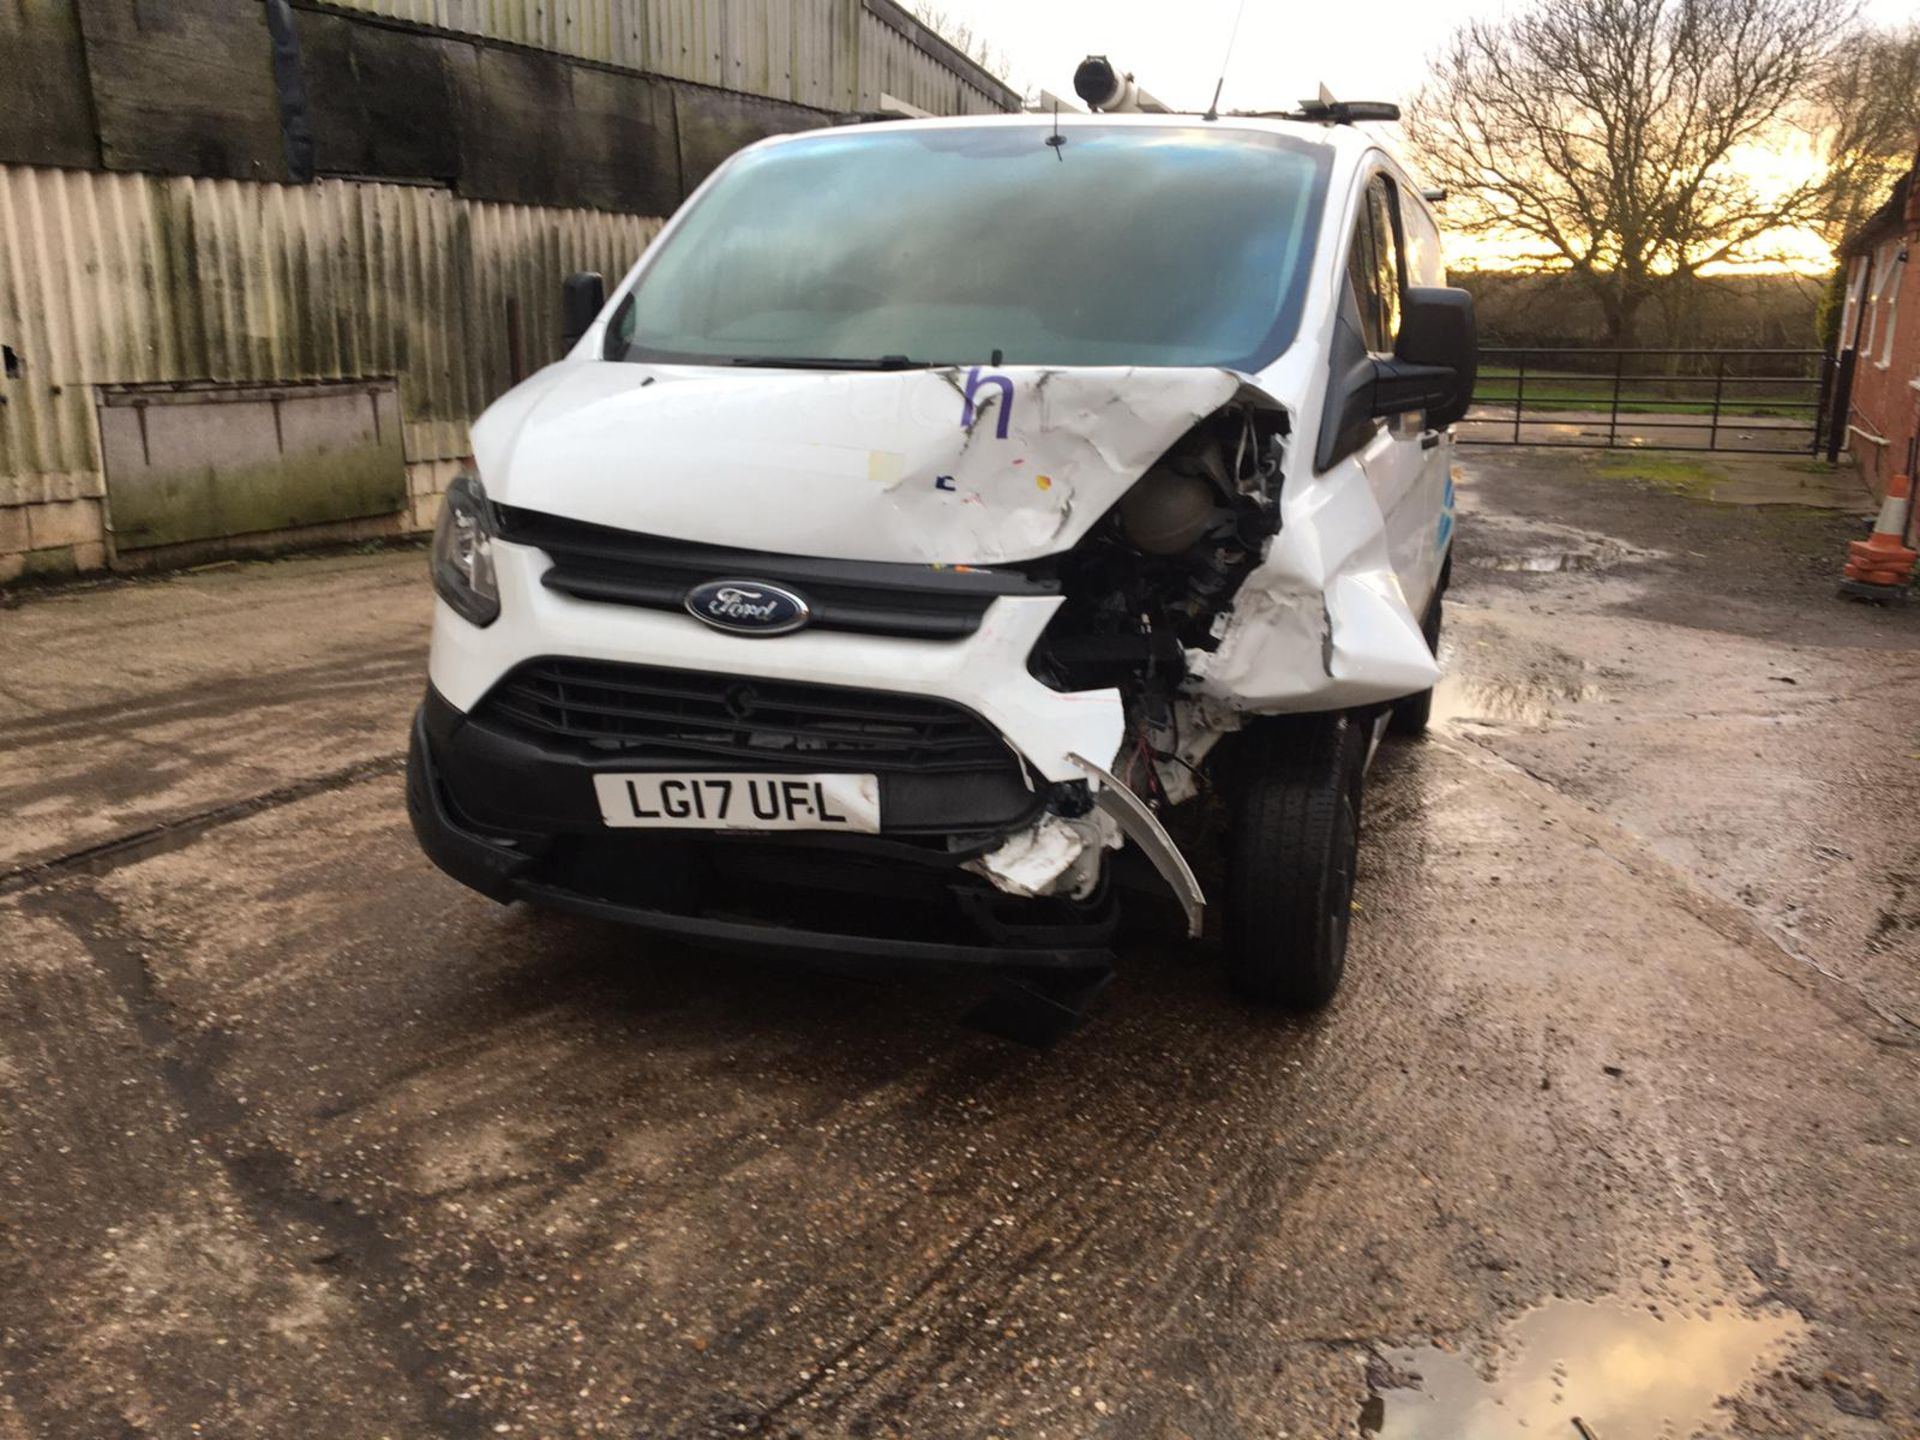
x=1752 y=401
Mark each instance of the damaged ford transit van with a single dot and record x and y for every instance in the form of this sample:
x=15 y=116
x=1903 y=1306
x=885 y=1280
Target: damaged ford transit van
x=935 y=506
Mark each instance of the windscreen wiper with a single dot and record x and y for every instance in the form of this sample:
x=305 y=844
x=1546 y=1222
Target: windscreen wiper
x=829 y=362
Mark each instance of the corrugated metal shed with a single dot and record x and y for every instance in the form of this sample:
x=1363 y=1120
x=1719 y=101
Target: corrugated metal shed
x=116 y=279
x=890 y=64
x=834 y=54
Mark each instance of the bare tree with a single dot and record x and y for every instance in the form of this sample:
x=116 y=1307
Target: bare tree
x=963 y=37
x=1866 y=108
x=1609 y=133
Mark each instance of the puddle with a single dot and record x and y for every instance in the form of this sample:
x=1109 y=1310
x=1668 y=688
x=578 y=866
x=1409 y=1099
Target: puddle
x=1579 y=1370
x=1542 y=549
x=1542 y=562
x=1532 y=701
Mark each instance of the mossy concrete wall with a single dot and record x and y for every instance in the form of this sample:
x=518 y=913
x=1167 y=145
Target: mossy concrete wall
x=208 y=462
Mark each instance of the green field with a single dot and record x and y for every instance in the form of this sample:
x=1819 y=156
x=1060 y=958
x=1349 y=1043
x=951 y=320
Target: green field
x=1643 y=395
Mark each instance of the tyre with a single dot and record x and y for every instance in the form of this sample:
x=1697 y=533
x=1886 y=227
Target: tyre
x=1410 y=716
x=1293 y=842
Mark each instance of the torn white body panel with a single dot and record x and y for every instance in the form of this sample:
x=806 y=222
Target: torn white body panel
x=1053 y=856
x=1061 y=856
x=949 y=467
x=1323 y=623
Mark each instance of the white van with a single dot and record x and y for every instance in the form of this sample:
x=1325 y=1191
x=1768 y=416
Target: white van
x=935 y=505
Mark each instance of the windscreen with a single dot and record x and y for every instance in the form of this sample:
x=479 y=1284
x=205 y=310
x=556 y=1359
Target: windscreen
x=1122 y=245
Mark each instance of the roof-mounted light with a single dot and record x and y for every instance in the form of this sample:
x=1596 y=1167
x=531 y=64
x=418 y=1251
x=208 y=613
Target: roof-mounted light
x=1105 y=88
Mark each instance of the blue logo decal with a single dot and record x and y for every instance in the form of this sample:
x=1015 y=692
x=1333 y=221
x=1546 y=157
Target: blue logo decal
x=747 y=607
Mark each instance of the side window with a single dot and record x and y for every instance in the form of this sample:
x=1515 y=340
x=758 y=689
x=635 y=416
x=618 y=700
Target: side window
x=1375 y=266
x=1856 y=295
x=620 y=330
x=1383 y=203
x=1882 y=261
x=1896 y=273
x=1364 y=275
x=1421 y=237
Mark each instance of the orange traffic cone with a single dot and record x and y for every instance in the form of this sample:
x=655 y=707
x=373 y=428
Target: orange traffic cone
x=1879 y=568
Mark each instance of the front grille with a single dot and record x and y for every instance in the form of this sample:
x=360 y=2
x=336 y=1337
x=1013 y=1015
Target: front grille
x=644 y=713
x=597 y=562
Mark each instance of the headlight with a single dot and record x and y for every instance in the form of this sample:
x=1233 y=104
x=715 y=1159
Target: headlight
x=463 y=552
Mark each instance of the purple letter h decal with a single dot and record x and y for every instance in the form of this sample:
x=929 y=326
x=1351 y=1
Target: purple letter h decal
x=974 y=381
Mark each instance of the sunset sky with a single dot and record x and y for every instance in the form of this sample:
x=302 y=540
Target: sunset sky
x=1283 y=53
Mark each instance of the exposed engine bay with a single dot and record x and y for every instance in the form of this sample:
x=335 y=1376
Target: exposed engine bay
x=1150 y=586
x=1154 y=581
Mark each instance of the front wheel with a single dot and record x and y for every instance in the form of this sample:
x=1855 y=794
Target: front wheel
x=1293 y=847
x=1411 y=715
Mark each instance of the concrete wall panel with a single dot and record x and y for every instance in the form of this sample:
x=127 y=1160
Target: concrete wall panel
x=207 y=462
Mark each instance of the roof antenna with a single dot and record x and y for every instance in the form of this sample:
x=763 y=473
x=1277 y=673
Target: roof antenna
x=1057 y=140
x=1213 y=110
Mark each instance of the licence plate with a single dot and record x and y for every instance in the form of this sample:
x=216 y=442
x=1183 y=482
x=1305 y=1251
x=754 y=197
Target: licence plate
x=740 y=802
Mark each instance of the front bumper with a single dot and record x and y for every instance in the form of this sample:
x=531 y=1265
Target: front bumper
x=985 y=672
x=515 y=821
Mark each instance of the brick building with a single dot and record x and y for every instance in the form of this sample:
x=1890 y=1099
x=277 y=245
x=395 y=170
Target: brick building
x=1880 y=337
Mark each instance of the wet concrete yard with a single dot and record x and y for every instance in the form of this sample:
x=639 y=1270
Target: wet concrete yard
x=1617 y=1119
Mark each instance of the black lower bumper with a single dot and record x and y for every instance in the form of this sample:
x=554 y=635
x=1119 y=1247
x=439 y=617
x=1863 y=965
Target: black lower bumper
x=845 y=897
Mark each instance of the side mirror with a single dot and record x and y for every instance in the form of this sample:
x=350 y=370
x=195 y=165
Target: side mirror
x=1436 y=361
x=582 y=296
x=1432 y=369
